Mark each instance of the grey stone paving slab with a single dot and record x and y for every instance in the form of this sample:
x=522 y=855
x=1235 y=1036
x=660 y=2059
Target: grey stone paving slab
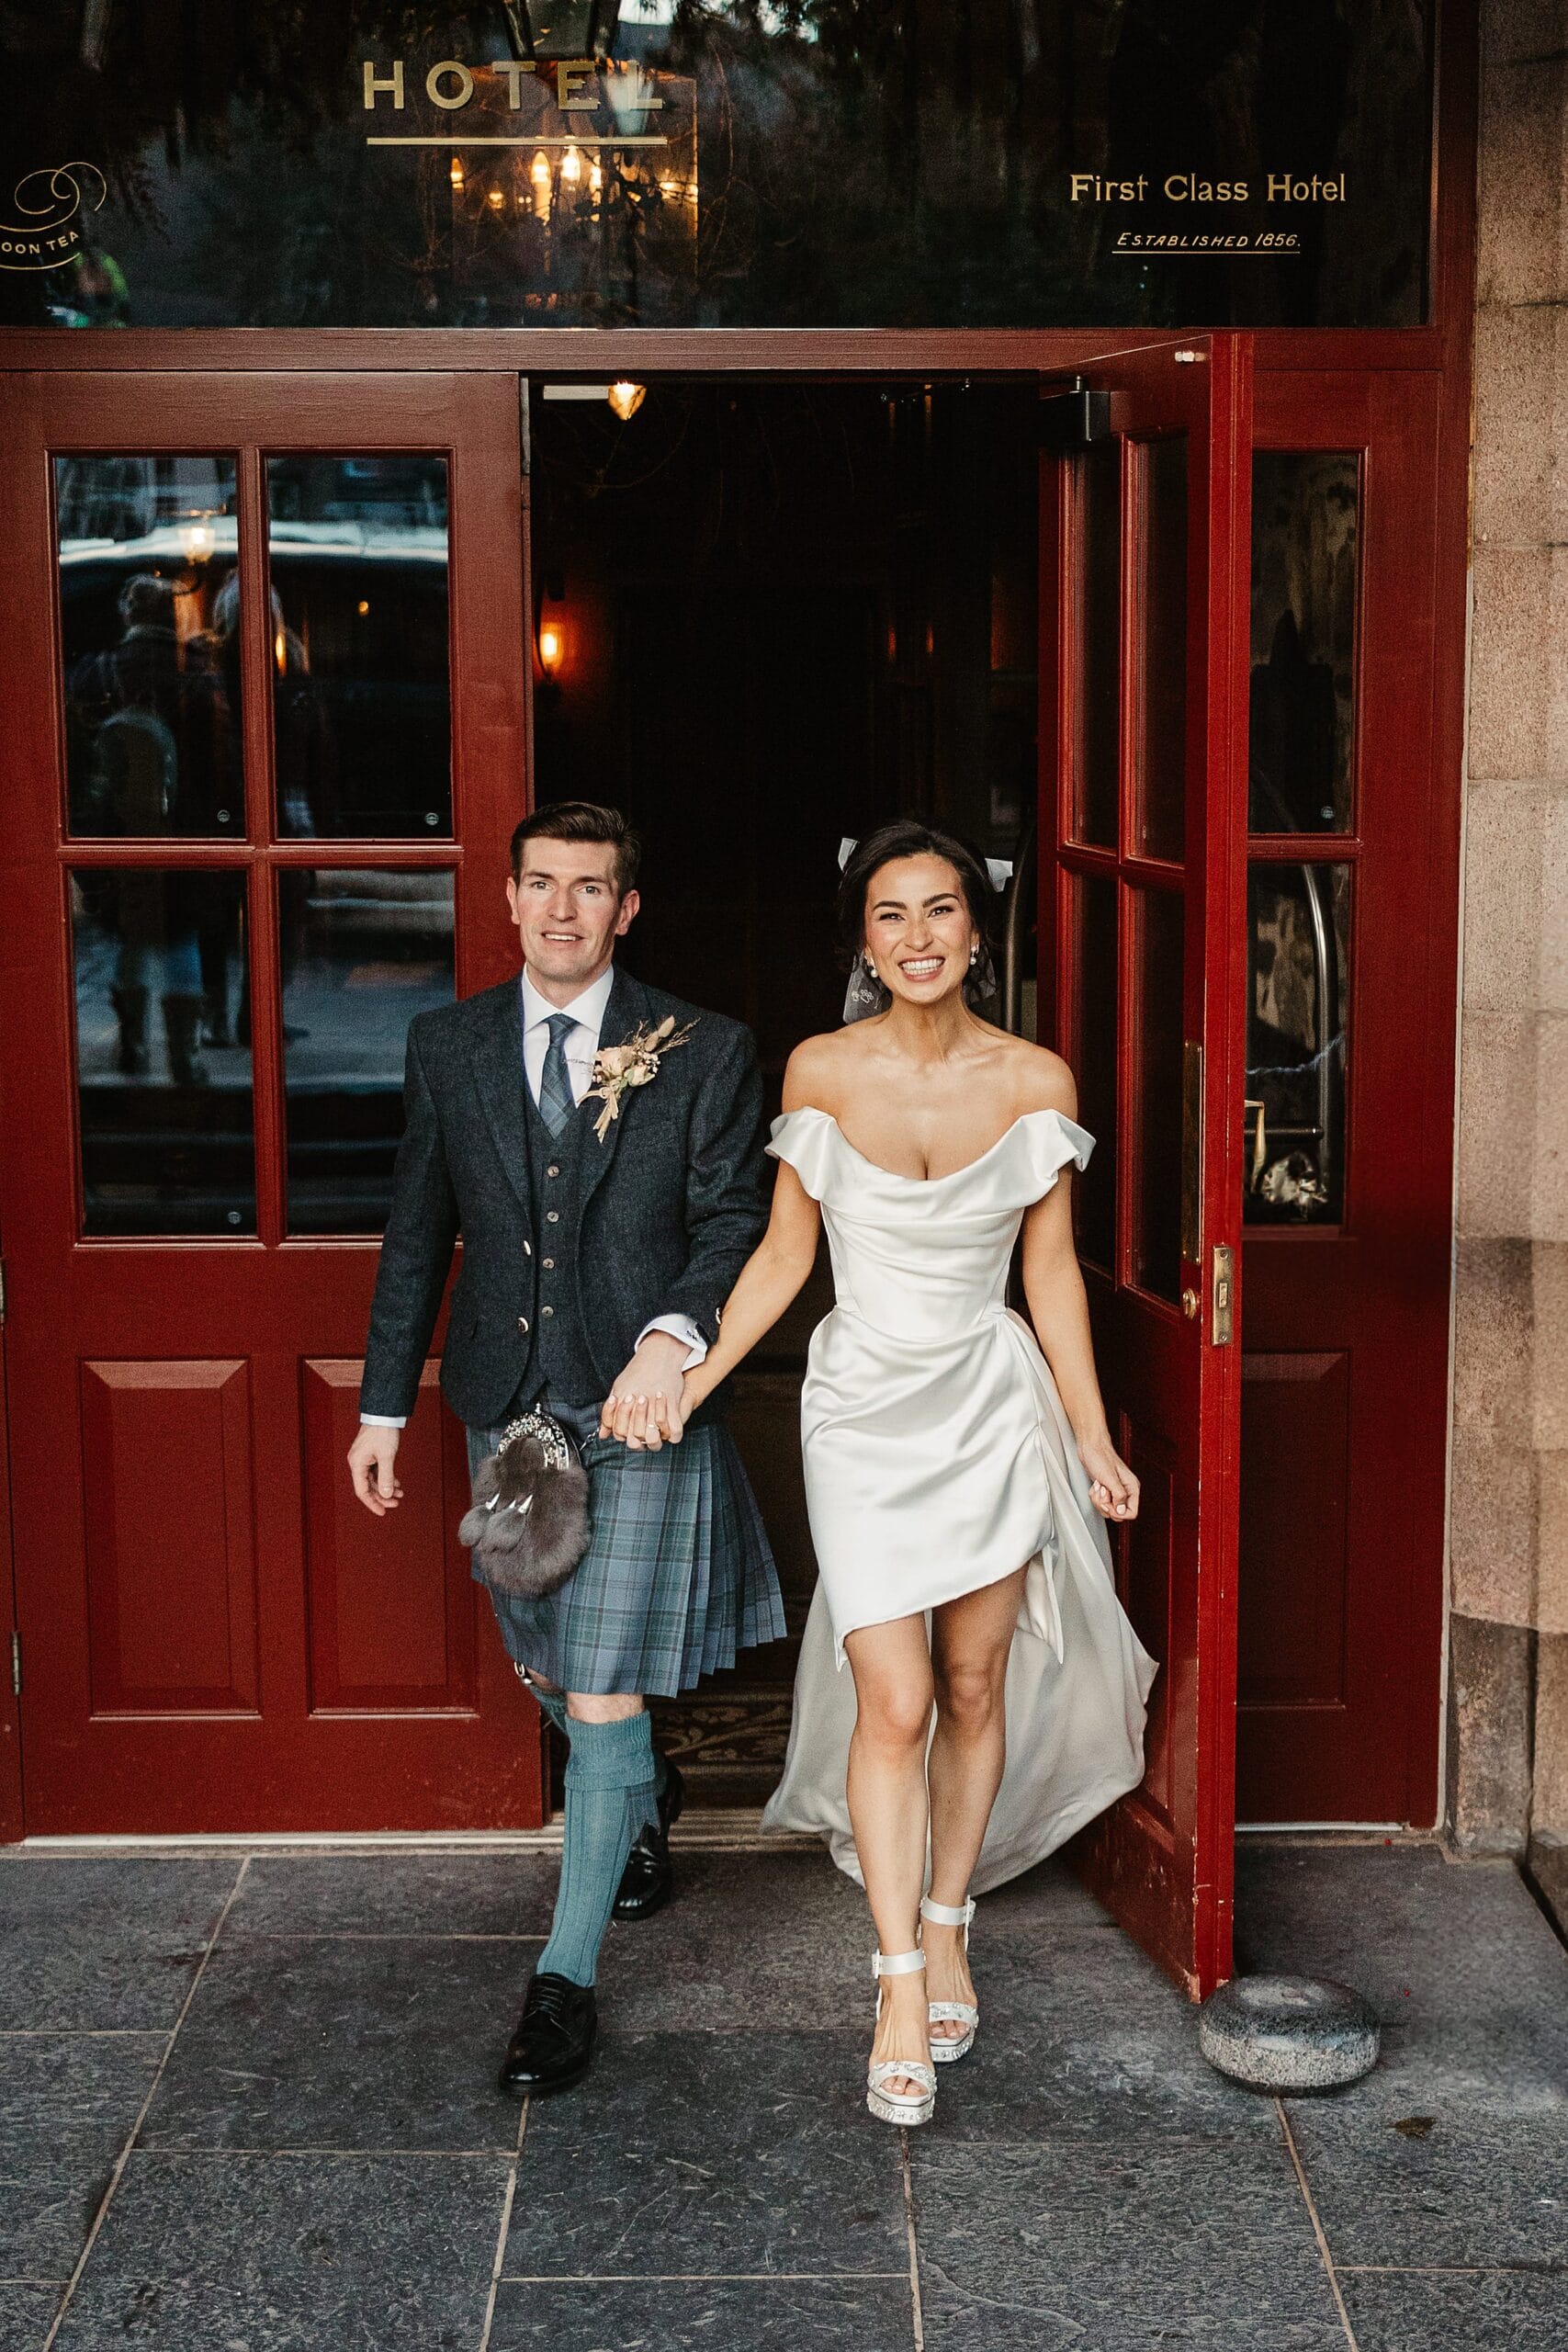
x=779 y=1939
x=66 y=2108
x=705 y=2316
x=26 y=2313
x=1081 y=2033
x=1456 y=1957
x=396 y=1893
x=292 y=2254
x=1478 y=2188
x=1106 y=2245
x=97 y=1942
x=723 y=2152
x=1048 y=1903
x=325 y=2043
x=1076 y=2069
x=1495 y=2311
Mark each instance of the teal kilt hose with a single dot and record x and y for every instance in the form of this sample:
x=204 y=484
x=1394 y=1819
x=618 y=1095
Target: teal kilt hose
x=678 y=1577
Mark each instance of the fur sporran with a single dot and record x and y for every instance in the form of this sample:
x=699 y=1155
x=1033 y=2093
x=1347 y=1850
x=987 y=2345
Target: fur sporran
x=528 y=1527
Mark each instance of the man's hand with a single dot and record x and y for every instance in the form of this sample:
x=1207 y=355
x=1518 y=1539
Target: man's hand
x=372 y=1458
x=643 y=1409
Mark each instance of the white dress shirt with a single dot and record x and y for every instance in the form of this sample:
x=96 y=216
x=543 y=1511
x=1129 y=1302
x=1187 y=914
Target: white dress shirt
x=582 y=1044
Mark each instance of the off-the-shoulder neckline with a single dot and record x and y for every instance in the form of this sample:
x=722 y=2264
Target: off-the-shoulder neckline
x=894 y=1175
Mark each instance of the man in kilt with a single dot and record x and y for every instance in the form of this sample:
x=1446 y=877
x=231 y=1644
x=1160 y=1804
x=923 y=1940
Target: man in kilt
x=593 y=1272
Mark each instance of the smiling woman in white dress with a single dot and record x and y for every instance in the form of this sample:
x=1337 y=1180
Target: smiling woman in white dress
x=956 y=1485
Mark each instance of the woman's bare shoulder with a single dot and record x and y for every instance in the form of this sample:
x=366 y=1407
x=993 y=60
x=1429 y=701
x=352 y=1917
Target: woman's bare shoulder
x=1042 y=1080
x=818 y=1069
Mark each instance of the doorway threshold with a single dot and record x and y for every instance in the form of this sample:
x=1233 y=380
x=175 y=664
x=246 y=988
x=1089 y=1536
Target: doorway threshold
x=713 y=1829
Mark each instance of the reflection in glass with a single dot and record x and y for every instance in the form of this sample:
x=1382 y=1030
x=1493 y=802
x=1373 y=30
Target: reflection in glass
x=1298 y=924
x=828 y=163
x=362 y=953
x=1156 y=1083
x=1162 y=750
x=1094 y=1060
x=1099 y=642
x=148 y=604
x=163 y=1050
x=361 y=707
x=1305 y=529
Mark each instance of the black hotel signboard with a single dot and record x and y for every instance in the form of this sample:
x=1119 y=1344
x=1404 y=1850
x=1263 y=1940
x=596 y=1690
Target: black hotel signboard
x=719 y=162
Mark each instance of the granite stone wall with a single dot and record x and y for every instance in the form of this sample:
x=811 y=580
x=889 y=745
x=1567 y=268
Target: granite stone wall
x=1508 y=1661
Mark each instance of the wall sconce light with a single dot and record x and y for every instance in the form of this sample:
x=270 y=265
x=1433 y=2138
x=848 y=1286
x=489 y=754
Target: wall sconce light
x=626 y=399
x=457 y=176
x=539 y=179
x=552 y=647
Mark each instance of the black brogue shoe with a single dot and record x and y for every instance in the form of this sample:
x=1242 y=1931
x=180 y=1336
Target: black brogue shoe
x=554 y=2041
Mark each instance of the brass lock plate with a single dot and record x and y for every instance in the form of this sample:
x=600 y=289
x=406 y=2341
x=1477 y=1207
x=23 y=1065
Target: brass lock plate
x=1222 y=1293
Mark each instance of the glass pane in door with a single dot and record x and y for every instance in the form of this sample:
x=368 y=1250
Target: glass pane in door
x=1298 y=928
x=1305 y=538
x=1098 y=558
x=1093 y=1053
x=1160 y=792
x=362 y=952
x=1158 y=919
x=146 y=549
x=357 y=637
x=163 y=1050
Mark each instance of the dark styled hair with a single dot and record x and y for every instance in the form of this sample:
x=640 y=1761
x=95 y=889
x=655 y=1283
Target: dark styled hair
x=582 y=820
x=908 y=837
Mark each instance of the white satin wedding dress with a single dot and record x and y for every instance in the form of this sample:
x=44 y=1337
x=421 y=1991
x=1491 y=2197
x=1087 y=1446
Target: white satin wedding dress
x=938 y=1459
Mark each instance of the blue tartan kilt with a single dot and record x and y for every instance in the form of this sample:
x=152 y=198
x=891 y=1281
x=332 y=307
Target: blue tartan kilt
x=678 y=1577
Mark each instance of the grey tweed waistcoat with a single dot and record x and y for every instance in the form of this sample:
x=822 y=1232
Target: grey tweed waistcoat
x=558 y=1355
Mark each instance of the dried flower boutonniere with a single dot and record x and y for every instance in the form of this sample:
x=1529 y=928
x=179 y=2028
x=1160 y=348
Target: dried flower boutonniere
x=616 y=1067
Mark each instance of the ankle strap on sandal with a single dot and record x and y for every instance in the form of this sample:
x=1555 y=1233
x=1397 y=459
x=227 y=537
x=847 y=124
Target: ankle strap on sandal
x=897 y=1963
x=948 y=1915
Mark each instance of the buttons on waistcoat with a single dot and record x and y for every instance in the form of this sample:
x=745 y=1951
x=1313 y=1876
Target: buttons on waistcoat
x=552 y=1171
x=548 y=1265
x=523 y=1324
x=546 y=1310
x=552 y=1217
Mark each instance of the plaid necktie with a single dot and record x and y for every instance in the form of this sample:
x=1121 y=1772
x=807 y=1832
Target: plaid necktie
x=557 y=1102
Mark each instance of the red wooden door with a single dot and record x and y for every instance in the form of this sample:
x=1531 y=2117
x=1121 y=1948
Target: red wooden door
x=1141 y=828
x=1348 y=1152
x=263 y=746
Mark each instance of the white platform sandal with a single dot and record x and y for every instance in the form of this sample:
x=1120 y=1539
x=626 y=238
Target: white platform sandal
x=946 y=2050
x=898 y=2106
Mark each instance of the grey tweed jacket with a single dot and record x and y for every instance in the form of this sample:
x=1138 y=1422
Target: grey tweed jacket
x=672 y=1200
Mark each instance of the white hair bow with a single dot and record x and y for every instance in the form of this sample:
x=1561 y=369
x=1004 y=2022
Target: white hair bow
x=999 y=868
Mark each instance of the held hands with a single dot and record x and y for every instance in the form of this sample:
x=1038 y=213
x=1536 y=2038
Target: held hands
x=644 y=1408
x=371 y=1460
x=1113 y=1489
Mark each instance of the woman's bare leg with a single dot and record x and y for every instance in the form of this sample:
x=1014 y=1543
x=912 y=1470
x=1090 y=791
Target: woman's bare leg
x=892 y=1667
x=971 y=1638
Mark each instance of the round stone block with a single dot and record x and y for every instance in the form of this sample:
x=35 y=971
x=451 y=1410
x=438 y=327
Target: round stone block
x=1288 y=2033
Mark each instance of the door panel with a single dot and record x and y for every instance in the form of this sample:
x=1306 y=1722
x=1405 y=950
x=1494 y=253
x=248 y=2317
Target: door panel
x=1143 y=804
x=216 y=589
x=1345 y=1157
x=171 y=1564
